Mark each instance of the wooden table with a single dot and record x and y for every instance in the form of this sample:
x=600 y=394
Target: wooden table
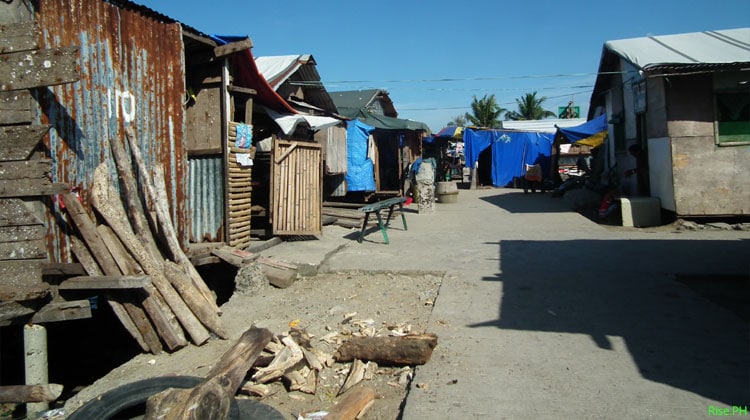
x=389 y=204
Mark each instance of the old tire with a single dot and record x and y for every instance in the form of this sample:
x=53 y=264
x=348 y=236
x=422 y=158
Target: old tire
x=130 y=396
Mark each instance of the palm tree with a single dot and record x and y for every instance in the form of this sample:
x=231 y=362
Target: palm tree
x=458 y=121
x=530 y=108
x=485 y=112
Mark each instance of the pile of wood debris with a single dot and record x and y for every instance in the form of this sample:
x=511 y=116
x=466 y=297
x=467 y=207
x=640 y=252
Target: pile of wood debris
x=293 y=359
x=163 y=297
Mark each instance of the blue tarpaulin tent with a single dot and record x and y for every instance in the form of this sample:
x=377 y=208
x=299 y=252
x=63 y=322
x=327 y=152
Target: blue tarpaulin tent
x=360 y=175
x=590 y=133
x=511 y=150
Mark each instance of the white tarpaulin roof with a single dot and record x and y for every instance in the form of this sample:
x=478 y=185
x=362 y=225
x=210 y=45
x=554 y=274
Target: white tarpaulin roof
x=277 y=69
x=709 y=47
x=288 y=122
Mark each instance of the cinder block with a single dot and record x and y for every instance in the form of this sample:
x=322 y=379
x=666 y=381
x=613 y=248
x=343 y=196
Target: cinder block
x=640 y=211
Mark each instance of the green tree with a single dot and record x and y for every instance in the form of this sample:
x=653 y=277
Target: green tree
x=485 y=112
x=530 y=108
x=458 y=121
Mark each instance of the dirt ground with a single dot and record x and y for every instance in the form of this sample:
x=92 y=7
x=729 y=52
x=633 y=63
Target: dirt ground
x=329 y=308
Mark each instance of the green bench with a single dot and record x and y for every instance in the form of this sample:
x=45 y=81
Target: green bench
x=389 y=204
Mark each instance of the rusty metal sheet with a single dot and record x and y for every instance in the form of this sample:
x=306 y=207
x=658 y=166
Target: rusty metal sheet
x=132 y=73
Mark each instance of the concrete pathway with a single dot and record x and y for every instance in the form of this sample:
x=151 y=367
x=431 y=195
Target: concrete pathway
x=545 y=314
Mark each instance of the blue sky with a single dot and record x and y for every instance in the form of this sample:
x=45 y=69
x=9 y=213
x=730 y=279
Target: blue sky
x=434 y=56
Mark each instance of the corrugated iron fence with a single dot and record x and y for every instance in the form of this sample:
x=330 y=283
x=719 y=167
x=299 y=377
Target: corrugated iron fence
x=132 y=73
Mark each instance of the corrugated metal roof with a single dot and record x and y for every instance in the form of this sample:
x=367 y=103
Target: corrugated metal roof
x=289 y=73
x=688 y=49
x=350 y=102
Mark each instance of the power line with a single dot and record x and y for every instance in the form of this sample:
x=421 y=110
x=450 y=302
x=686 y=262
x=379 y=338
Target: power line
x=504 y=103
x=458 y=79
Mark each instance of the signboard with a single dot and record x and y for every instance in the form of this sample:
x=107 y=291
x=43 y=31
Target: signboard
x=569 y=111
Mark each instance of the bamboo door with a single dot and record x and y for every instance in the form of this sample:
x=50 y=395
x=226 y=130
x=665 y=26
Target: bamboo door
x=296 y=188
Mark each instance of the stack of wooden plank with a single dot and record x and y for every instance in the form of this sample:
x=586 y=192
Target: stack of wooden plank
x=142 y=241
x=239 y=189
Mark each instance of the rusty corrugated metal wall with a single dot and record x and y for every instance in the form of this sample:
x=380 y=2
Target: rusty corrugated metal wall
x=132 y=73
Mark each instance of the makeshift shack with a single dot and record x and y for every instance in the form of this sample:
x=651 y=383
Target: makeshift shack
x=508 y=152
x=396 y=142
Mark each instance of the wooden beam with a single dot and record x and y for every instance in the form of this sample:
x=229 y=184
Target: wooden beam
x=30 y=188
x=15 y=107
x=236 y=257
x=105 y=282
x=241 y=90
x=62 y=311
x=31 y=69
x=24 y=250
x=12 y=310
x=233 y=47
x=13 y=212
x=30 y=393
x=25 y=169
x=21 y=36
x=18 y=142
x=62 y=269
x=31 y=292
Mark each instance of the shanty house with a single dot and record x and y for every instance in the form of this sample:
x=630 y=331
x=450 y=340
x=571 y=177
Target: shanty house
x=99 y=75
x=397 y=141
x=295 y=78
x=685 y=100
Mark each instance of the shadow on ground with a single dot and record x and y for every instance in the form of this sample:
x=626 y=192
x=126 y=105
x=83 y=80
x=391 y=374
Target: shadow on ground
x=684 y=323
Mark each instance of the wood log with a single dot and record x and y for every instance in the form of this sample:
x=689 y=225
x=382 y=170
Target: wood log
x=97 y=259
x=194 y=299
x=212 y=397
x=149 y=298
x=405 y=350
x=105 y=282
x=30 y=393
x=106 y=202
x=355 y=401
x=135 y=304
x=62 y=311
x=133 y=200
x=127 y=319
x=156 y=192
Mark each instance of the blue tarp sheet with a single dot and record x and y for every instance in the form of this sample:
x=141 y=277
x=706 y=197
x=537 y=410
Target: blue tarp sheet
x=360 y=173
x=511 y=150
x=585 y=130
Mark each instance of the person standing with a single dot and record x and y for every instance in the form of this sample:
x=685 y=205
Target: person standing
x=640 y=170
